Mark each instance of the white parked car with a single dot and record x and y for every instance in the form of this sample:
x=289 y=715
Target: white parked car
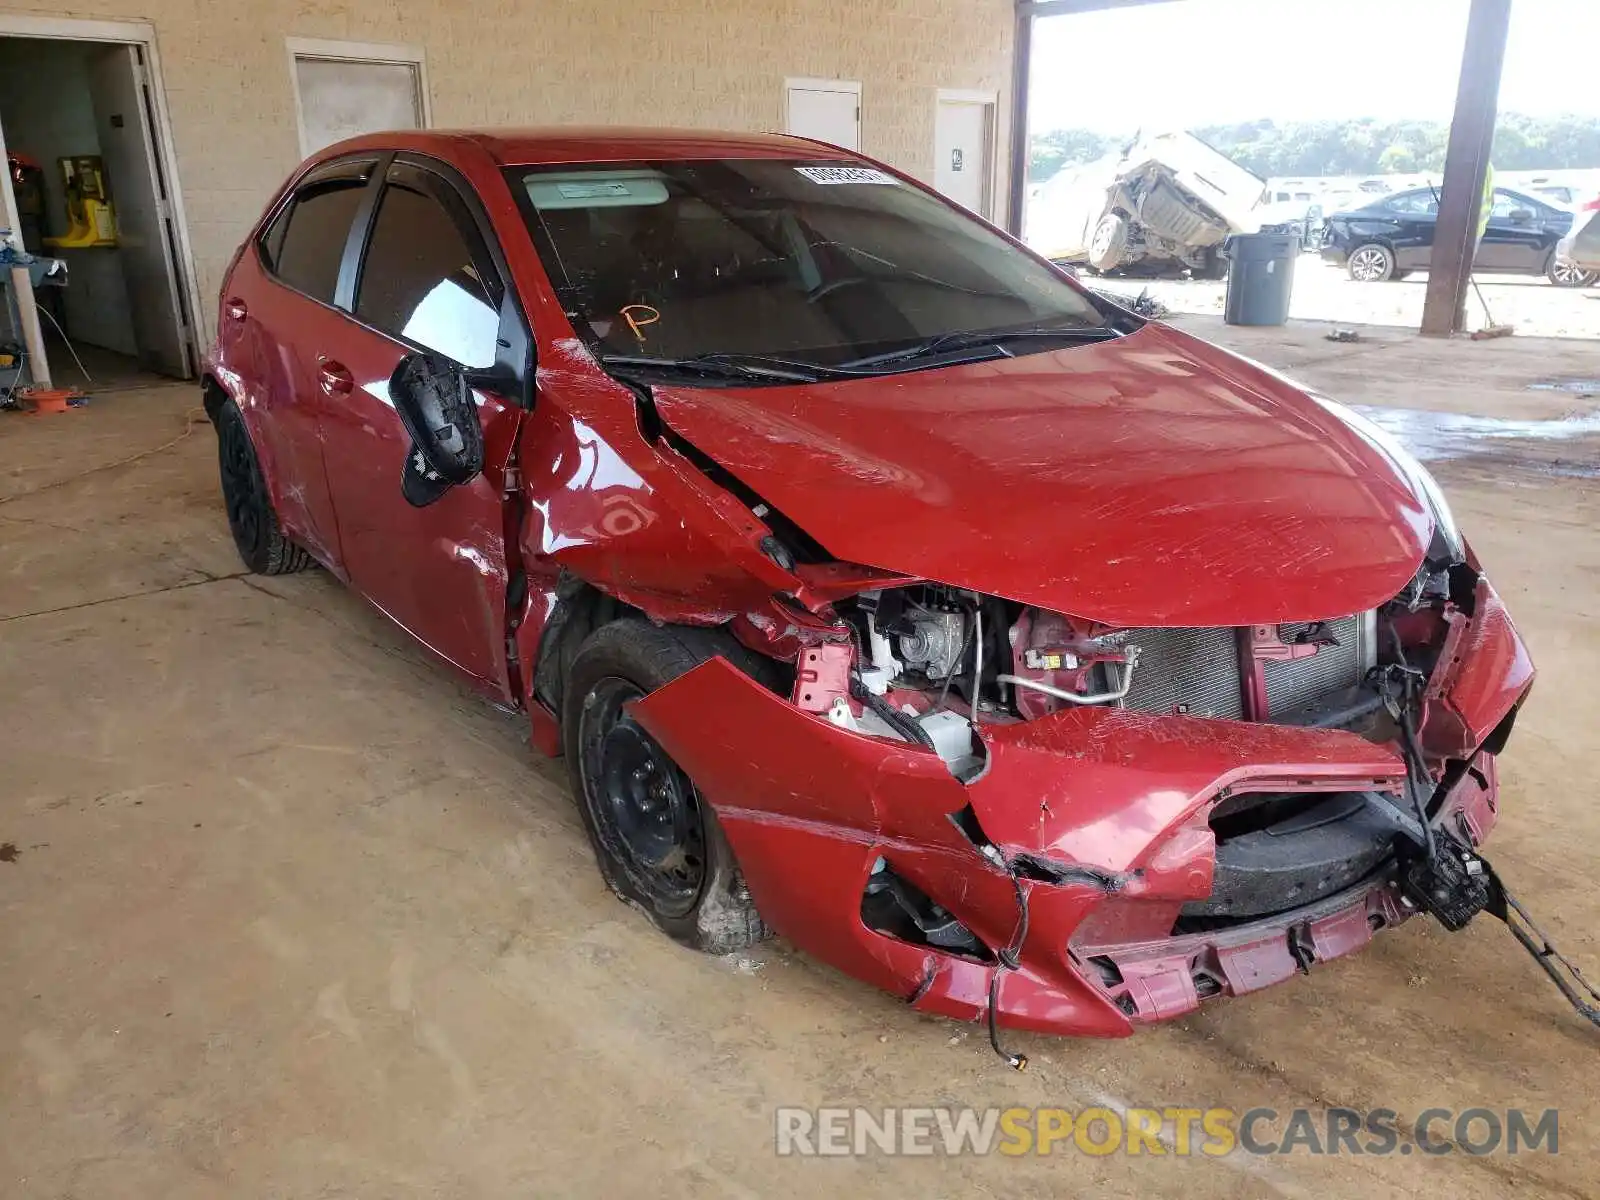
x=1164 y=206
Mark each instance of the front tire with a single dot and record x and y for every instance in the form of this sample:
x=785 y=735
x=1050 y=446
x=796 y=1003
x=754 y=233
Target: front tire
x=658 y=844
x=1109 y=242
x=1371 y=263
x=251 y=519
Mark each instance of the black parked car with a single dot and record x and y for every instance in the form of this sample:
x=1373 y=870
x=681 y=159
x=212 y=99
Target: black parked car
x=1393 y=236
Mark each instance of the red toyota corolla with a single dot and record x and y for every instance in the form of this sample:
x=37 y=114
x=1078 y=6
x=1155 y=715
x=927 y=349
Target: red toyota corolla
x=881 y=586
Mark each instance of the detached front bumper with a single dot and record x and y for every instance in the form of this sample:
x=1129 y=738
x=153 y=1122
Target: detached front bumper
x=1104 y=810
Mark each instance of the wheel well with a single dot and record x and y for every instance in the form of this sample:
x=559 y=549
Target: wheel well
x=581 y=608
x=213 y=396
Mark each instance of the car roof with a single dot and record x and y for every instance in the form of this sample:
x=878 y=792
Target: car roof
x=567 y=144
x=1499 y=187
x=1416 y=191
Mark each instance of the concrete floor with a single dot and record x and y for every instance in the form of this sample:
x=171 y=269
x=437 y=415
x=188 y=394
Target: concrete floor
x=292 y=914
x=1322 y=292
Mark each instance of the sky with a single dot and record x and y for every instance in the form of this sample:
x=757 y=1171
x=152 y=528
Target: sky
x=1173 y=64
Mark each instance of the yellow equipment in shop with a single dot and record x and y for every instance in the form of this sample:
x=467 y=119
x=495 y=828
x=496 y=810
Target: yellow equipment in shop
x=91 y=220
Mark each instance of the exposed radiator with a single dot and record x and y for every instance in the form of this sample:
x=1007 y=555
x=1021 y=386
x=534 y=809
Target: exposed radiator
x=1298 y=682
x=1197 y=671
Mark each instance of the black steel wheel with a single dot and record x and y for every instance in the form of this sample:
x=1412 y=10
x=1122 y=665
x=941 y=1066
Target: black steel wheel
x=656 y=840
x=251 y=520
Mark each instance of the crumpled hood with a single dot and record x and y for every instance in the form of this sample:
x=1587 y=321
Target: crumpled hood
x=1150 y=480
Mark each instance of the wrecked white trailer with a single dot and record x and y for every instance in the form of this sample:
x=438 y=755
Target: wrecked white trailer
x=1163 y=207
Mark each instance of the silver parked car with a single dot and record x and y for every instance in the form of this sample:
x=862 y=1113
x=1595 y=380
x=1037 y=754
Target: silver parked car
x=1581 y=247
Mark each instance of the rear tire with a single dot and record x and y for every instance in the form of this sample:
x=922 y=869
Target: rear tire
x=251 y=519
x=1570 y=275
x=658 y=845
x=1214 y=268
x=1372 y=262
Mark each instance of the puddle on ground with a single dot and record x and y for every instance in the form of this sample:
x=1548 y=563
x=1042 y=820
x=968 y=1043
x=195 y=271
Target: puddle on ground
x=1560 y=446
x=1583 y=387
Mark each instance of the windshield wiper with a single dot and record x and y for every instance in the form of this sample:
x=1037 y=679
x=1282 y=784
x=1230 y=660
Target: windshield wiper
x=756 y=368
x=969 y=340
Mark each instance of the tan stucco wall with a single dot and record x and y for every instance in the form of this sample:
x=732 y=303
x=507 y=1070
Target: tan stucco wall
x=715 y=63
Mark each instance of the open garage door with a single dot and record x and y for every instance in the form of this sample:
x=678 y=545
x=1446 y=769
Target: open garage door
x=123 y=118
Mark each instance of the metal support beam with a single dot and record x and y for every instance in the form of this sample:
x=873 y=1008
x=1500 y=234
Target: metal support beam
x=1021 y=152
x=1466 y=165
x=1054 y=8
x=1022 y=59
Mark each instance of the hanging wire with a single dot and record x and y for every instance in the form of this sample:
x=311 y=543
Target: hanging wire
x=84 y=371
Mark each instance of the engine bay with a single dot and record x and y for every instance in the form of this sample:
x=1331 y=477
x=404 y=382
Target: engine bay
x=927 y=663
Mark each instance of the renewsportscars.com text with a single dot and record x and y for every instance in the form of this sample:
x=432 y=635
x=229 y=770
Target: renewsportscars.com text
x=1177 y=1131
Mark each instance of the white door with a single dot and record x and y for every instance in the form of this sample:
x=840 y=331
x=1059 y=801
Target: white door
x=827 y=111
x=963 y=165
x=146 y=237
x=341 y=98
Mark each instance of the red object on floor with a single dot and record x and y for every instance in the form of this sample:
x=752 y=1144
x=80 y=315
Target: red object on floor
x=50 y=400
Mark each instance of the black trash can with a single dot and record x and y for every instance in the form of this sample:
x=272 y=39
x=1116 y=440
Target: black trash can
x=1260 y=278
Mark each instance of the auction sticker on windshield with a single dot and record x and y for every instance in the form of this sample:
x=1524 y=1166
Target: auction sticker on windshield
x=834 y=175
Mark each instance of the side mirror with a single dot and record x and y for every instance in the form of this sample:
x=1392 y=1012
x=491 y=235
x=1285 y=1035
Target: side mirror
x=1522 y=216
x=433 y=397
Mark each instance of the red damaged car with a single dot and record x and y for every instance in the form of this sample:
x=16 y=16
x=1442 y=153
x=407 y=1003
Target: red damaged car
x=881 y=586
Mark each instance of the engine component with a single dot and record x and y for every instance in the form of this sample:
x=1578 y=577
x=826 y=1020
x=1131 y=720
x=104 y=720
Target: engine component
x=1452 y=883
x=951 y=734
x=934 y=645
x=1130 y=665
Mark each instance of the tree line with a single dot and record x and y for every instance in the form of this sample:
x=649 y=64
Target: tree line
x=1352 y=147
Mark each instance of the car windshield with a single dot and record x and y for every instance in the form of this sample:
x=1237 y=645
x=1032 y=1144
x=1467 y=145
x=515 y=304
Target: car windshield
x=811 y=263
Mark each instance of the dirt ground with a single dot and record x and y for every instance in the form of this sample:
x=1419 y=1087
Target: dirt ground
x=291 y=914
x=1322 y=292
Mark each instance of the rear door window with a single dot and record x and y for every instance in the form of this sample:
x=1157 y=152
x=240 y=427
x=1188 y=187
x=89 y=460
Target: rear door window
x=303 y=247
x=1506 y=204
x=426 y=280
x=1414 y=204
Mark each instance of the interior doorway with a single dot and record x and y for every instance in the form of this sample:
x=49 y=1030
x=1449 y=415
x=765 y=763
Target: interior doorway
x=82 y=129
x=963 y=151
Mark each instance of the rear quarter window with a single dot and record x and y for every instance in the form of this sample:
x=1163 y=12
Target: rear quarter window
x=305 y=243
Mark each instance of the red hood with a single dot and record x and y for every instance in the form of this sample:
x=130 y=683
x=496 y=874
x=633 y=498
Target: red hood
x=1150 y=480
